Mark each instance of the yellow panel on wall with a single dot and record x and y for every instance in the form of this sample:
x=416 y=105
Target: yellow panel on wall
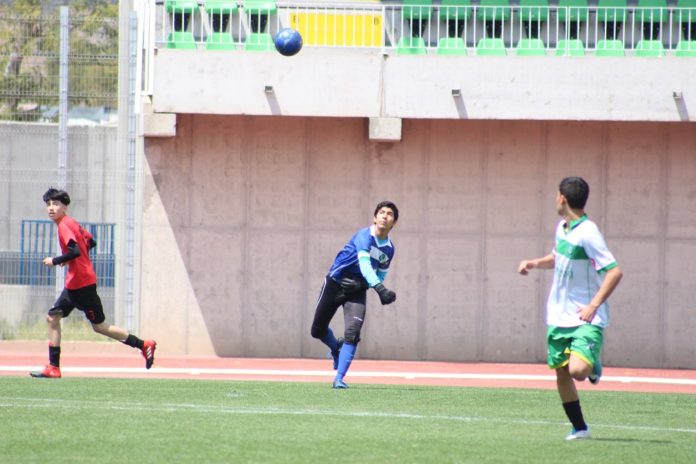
x=338 y=29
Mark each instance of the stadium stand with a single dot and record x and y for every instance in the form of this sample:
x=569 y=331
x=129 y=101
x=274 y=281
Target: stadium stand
x=570 y=47
x=687 y=18
x=179 y=13
x=651 y=14
x=650 y=48
x=567 y=28
x=493 y=13
x=258 y=42
x=451 y=46
x=411 y=46
x=530 y=47
x=686 y=48
x=610 y=47
x=417 y=14
x=455 y=13
x=258 y=12
x=533 y=13
x=220 y=14
x=612 y=15
x=573 y=14
x=490 y=47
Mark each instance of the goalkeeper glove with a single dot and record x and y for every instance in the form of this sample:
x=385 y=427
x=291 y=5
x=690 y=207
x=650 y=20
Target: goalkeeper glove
x=386 y=296
x=351 y=285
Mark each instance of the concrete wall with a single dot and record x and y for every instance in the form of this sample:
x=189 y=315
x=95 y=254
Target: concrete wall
x=366 y=83
x=243 y=216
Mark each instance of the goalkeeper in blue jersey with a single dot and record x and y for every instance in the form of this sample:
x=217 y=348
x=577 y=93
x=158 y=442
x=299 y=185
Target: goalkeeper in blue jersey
x=362 y=264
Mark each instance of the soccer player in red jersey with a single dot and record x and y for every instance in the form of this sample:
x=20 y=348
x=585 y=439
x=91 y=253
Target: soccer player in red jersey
x=80 y=287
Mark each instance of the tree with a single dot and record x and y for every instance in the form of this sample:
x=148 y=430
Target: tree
x=21 y=32
x=29 y=42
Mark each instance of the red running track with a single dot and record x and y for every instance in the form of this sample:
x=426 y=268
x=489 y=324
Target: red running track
x=126 y=363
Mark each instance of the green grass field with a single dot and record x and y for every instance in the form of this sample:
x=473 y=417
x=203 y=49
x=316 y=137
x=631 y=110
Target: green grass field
x=163 y=421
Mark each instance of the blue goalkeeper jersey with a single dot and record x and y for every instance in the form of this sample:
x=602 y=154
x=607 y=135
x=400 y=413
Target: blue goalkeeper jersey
x=346 y=262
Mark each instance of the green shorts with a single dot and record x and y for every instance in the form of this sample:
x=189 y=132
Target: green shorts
x=584 y=341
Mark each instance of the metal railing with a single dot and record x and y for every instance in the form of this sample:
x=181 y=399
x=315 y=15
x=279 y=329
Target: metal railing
x=432 y=29
x=38 y=241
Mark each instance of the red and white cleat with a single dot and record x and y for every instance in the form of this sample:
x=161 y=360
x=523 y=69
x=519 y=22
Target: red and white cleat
x=49 y=372
x=148 y=351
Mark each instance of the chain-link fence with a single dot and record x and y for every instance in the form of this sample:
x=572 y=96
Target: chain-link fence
x=59 y=127
x=30 y=63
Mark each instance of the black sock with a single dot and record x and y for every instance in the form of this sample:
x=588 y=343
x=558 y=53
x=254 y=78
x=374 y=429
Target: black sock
x=133 y=341
x=574 y=413
x=54 y=355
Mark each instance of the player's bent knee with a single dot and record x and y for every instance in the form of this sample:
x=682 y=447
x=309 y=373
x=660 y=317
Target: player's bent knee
x=352 y=337
x=580 y=374
x=318 y=332
x=99 y=328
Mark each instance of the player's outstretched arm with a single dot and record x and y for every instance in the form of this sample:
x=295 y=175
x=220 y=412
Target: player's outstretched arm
x=546 y=262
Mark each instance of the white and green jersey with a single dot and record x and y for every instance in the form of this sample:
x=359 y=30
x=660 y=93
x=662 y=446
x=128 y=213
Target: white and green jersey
x=581 y=259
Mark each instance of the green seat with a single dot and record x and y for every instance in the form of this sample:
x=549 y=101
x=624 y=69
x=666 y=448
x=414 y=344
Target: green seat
x=686 y=48
x=416 y=9
x=611 y=11
x=570 y=47
x=572 y=10
x=455 y=10
x=259 y=6
x=534 y=10
x=651 y=11
x=490 y=47
x=179 y=12
x=530 y=47
x=411 y=46
x=220 y=12
x=610 y=47
x=220 y=41
x=220 y=6
x=451 y=46
x=650 y=48
x=181 y=40
x=259 y=42
x=686 y=14
x=180 y=6
x=690 y=4
x=493 y=10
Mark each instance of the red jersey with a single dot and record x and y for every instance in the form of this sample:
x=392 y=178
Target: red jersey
x=80 y=271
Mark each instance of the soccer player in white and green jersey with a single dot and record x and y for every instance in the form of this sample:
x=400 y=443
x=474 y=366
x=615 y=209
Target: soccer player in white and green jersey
x=585 y=274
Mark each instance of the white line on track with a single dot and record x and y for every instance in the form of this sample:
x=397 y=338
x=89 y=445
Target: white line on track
x=22 y=402
x=324 y=373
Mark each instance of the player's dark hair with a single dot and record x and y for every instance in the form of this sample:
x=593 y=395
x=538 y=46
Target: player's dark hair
x=55 y=194
x=575 y=190
x=390 y=205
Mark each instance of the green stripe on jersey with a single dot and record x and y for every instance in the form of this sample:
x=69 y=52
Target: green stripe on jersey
x=570 y=250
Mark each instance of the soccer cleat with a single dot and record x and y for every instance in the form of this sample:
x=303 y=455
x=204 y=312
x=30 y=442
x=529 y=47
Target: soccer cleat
x=49 y=372
x=148 y=351
x=334 y=354
x=596 y=373
x=578 y=434
x=340 y=384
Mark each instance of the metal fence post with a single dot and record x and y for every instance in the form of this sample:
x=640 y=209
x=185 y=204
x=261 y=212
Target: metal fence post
x=61 y=175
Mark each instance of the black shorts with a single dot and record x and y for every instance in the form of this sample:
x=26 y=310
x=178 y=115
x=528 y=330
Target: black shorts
x=85 y=299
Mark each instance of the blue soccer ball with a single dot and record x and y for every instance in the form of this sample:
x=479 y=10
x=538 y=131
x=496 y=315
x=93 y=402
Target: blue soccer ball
x=288 y=41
